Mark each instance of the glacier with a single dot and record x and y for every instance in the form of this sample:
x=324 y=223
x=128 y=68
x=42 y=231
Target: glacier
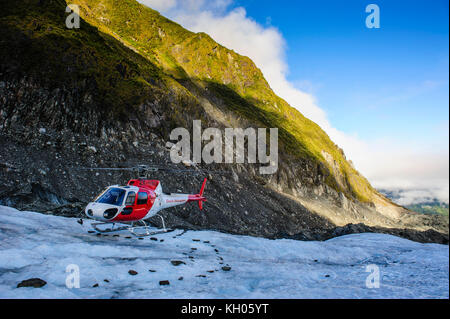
x=35 y=245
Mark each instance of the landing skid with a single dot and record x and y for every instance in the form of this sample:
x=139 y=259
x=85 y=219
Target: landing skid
x=135 y=230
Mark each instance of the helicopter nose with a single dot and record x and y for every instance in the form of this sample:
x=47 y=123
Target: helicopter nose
x=101 y=211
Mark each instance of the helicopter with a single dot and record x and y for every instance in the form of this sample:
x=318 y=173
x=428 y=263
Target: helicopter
x=139 y=200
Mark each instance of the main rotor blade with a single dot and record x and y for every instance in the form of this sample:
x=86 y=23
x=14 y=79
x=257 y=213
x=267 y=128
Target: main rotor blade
x=153 y=169
x=105 y=168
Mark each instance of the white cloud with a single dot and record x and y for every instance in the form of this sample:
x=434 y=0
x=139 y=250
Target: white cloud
x=415 y=196
x=387 y=164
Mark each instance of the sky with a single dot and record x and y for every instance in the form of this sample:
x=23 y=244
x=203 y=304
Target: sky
x=381 y=93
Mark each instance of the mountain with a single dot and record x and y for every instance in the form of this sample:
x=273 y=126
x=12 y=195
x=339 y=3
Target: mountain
x=207 y=264
x=109 y=94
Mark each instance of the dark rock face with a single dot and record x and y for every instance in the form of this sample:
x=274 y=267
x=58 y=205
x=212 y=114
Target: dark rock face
x=39 y=172
x=164 y=283
x=33 y=282
x=132 y=272
x=44 y=178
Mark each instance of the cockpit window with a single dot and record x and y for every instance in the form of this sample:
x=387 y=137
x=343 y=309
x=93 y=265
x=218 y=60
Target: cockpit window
x=130 y=199
x=113 y=196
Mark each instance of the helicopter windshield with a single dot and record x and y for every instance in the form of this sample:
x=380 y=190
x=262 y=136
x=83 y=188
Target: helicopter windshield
x=113 y=196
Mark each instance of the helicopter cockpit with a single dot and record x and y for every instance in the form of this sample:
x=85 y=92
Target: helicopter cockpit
x=112 y=196
x=112 y=201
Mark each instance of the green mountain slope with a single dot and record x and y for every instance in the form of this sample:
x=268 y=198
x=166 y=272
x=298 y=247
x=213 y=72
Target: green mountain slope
x=159 y=56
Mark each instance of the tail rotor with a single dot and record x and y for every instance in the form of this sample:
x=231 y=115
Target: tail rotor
x=200 y=195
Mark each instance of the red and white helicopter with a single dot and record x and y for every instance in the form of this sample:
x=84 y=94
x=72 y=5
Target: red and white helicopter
x=132 y=204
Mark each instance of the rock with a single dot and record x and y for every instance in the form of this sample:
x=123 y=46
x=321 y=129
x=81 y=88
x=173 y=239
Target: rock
x=95 y=286
x=235 y=177
x=164 y=283
x=151 y=270
x=201 y=276
x=132 y=272
x=105 y=280
x=153 y=238
x=226 y=268
x=33 y=282
x=177 y=262
x=181 y=278
x=92 y=149
x=187 y=163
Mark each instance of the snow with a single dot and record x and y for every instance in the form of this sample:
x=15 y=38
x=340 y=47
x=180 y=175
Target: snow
x=34 y=245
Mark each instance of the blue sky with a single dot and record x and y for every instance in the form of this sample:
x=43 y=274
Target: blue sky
x=380 y=94
x=391 y=81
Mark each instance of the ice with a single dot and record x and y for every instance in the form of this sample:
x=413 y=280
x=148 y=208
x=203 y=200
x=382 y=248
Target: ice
x=34 y=245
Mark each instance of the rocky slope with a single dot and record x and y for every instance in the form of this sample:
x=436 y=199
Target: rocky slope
x=109 y=93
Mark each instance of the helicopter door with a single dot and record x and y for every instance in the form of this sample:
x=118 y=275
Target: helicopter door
x=129 y=202
x=141 y=208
